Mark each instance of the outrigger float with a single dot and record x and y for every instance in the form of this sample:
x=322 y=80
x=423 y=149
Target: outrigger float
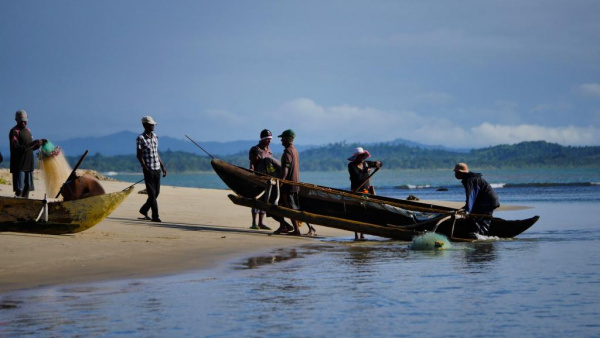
x=365 y=213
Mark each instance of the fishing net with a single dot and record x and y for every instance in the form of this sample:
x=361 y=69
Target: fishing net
x=54 y=167
x=430 y=241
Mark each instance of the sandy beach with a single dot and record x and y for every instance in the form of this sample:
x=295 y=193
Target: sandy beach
x=200 y=228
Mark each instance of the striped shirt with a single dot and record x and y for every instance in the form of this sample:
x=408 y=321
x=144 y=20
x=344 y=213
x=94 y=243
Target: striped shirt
x=149 y=147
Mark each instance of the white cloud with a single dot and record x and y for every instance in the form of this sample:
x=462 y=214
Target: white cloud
x=489 y=134
x=590 y=89
x=316 y=124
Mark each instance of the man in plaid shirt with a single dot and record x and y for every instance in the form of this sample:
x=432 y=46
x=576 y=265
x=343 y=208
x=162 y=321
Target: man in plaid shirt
x=147 y=154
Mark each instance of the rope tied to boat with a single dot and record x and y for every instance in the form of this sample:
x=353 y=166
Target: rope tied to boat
x=268 y=189
x=44 y=210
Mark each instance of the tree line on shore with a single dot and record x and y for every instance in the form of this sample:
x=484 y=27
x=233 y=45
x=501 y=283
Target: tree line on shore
x=537 y=154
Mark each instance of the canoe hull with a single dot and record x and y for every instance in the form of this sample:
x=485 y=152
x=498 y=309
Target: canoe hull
x=64 y=217
x=369 y=214
x=328 y=201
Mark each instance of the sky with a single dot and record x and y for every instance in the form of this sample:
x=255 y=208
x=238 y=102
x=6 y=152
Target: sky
x=467 y=73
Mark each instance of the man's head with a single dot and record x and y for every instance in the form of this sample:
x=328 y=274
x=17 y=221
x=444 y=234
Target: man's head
x=148 y=123
x=460 y=169
x=265 y=136
x=21 y=117
x=287 y=137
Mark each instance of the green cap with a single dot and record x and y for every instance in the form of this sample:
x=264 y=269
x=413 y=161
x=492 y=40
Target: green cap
x=288 y=133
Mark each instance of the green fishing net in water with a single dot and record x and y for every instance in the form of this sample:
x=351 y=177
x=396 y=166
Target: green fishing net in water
x=49 y=150
x=430 y=241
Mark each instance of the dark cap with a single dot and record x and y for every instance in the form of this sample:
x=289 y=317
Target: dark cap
x=266 y=133
x=288 y=133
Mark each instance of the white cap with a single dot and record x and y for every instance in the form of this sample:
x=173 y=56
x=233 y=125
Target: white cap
x=148 y=119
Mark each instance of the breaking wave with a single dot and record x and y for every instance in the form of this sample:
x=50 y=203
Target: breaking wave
x=506 y=185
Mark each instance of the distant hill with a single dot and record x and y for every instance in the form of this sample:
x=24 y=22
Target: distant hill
x=116 y=153
x=535 y=154
x=334 y=157
x=123 y=143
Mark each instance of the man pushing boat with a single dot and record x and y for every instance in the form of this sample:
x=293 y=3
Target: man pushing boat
x=481 y=199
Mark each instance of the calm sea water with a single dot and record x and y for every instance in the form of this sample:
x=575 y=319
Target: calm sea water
x=545 y=283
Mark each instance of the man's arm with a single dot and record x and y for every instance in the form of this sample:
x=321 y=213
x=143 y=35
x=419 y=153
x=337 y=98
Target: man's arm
x=141 y=159
x=471 y=191
x=162 y=166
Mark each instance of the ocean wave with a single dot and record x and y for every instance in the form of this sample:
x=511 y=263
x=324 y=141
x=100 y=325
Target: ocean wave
x=552 y=184
x=412 y=187
x=503 y=185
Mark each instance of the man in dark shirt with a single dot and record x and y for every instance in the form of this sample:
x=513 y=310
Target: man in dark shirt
x=481 y=199
x=22 y=146
x=358 y=168
x=257 y=156
x=290 y=170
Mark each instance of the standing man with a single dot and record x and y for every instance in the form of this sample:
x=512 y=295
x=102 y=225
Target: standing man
x=22 y=146
x=358 y=168
x=481 y=199
x=256 y=155
x=290 y=170
x=147 y=154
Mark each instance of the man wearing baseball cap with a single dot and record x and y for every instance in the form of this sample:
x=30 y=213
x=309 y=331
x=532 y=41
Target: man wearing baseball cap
x=481 y=199
x=290 y=170
x=147 y=155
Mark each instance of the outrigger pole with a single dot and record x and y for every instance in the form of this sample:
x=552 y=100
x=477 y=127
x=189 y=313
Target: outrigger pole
x=197 y=145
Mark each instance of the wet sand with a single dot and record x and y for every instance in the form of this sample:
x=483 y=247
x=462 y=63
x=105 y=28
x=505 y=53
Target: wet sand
x=200 y=228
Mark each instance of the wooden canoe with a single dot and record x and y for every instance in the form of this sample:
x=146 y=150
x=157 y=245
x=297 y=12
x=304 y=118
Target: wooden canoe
x=351 y=211
x=64 y=217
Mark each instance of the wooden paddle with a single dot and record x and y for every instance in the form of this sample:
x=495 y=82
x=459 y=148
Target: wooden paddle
x=72 y=173
x=371 y=191
x=367 y=180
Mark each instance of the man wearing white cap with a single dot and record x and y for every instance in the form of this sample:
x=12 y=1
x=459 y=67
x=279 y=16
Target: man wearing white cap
x=22 y=146
x=358 y=168
x=147 y=154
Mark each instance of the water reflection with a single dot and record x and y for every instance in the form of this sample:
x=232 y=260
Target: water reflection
x=281 y=255
x=481 y=253
x=331 y=288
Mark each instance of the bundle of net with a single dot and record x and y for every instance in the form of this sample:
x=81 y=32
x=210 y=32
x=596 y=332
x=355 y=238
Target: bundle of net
x=54 y=167
x=430 y=241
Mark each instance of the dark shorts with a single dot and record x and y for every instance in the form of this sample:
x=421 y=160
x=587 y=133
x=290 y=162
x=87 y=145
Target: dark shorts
x=258 y=211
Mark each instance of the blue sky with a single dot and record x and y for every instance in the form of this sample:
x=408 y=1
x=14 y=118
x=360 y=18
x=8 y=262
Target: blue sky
x=457 y=73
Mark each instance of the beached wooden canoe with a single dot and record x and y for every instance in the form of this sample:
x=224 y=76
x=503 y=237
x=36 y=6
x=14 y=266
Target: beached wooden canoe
x=63 y=217
x=342 y=209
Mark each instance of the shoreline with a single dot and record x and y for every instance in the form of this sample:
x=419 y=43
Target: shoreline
x=201 y=228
